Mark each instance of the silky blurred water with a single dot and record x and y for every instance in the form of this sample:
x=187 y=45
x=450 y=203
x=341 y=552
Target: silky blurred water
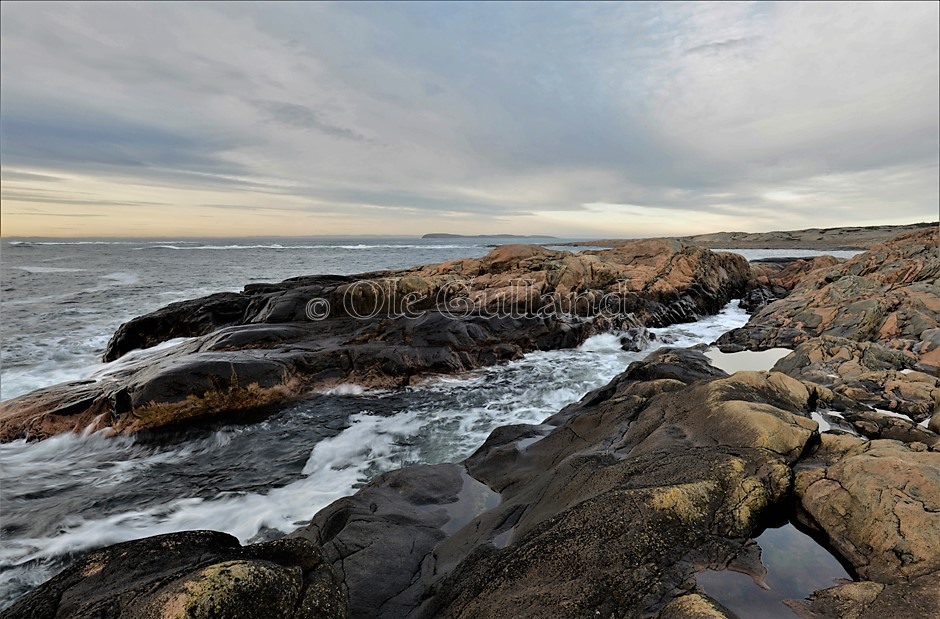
x=60 y=301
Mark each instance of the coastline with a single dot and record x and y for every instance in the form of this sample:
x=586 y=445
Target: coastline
x=832 y=239
x=540 y=489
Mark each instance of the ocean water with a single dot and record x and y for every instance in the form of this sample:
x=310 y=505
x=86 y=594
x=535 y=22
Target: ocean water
x=62 y=300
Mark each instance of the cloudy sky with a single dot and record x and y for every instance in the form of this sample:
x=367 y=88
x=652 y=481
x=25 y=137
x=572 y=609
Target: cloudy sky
x=568 y=119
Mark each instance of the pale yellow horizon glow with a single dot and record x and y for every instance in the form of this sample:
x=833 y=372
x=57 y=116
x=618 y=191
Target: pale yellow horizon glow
x=143 y=211
x=74 y=206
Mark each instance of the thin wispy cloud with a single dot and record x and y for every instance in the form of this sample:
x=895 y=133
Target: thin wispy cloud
x=406 y=118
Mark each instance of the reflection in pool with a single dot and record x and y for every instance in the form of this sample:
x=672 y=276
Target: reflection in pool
x=796 y=566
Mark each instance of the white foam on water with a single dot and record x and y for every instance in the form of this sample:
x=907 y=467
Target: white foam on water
x=61 y=358
x=40 y=269
x=75 y=354
x=121 y=278
x=27 y=243
x=824 y=426
x=136 y=357
x=704 y=331
x=331 y=472
x=344 y=389
x=602 y=343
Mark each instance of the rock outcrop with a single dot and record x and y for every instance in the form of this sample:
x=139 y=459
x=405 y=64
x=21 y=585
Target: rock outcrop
x=888 y=295
x=659 y=282
x=611 y=506
x=867 y=373
x=192 y=574
x=609 y=509
x=253 y=351
x=775 y=278
x=824 y=239
x=239 y=372
x=879 y=505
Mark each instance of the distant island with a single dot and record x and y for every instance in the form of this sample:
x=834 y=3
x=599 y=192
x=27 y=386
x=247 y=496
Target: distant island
x=447 y=235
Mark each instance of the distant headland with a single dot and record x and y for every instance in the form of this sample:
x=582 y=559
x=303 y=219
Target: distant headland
x=823 y=239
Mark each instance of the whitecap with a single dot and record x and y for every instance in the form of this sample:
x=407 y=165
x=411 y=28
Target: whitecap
x=40 y=269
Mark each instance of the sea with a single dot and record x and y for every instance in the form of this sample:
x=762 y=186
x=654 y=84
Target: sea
x=60 y=302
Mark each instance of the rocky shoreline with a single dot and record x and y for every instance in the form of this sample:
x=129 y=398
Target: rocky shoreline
x=273 y=343
x=609 y=508
x=824 y=239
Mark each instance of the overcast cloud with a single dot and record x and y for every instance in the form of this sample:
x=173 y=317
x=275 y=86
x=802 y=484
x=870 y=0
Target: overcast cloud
x=567 y=119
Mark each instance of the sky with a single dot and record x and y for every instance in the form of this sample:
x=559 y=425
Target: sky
x=578 y=120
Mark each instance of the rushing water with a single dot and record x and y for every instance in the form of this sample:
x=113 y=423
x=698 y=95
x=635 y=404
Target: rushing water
x=72 y=493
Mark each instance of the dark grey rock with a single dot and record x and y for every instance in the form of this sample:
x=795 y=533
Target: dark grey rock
x=193 y=574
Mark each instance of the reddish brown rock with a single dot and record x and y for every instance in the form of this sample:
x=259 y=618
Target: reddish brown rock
x=889 y=295
x=867 y=373
x=257 y=349
x=879 y=506
x=774 y=278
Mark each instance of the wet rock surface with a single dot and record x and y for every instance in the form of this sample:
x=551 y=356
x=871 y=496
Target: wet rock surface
x=390 y=528
x=213 y=377
x=191 y=574
x=674 y=467
x=879 y=506
x=613 y=505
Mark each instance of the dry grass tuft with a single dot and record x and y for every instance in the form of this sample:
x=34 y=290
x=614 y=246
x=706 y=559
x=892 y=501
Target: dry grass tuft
x=214 y=403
